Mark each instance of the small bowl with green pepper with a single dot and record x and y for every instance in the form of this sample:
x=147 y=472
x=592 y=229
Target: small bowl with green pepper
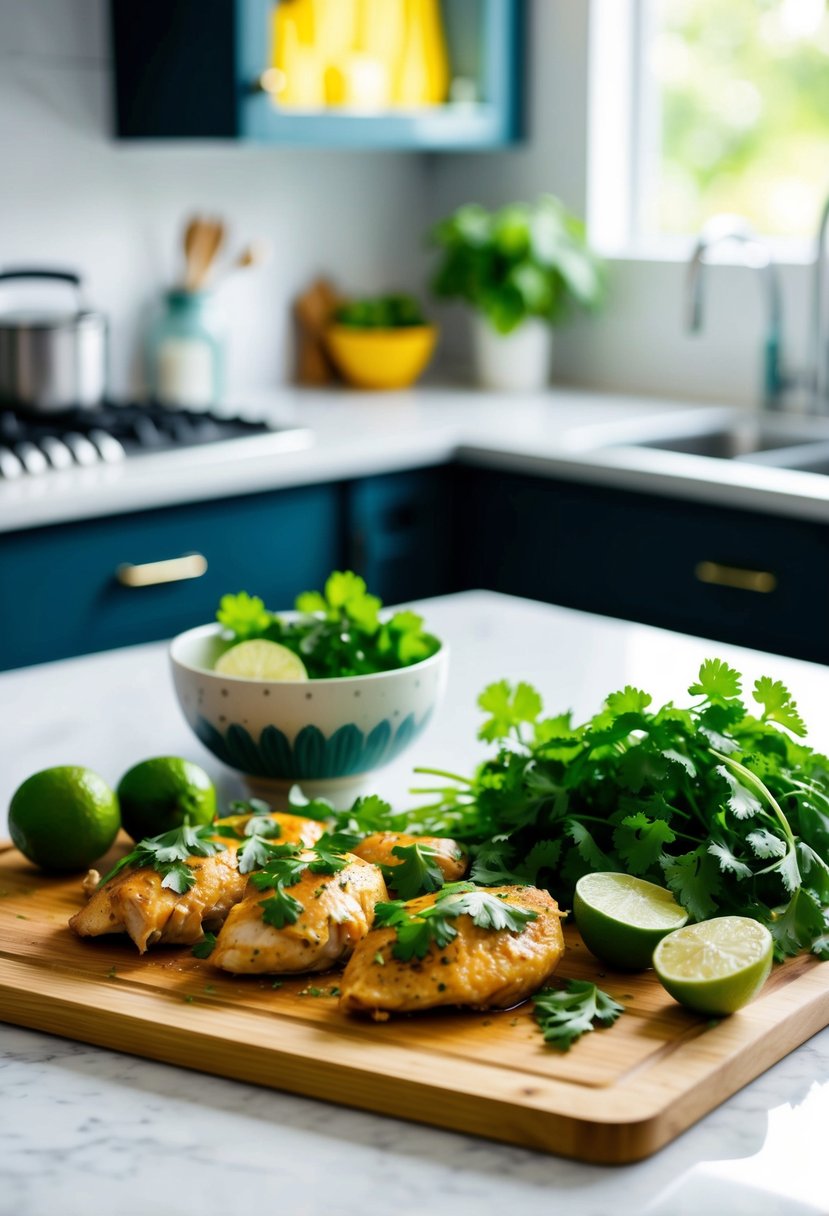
x=323 y=695
x=380 y=343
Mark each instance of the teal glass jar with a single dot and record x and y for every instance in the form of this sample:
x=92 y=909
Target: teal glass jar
x=186 y=351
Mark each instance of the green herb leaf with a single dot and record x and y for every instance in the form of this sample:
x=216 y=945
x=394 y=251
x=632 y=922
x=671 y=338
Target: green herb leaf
x=417 y=873
x=205 y=947
x=716 y=681
x=564 y=1015
x=417 y=931
x=167 y=854
x=778 y=705
x=243 y=615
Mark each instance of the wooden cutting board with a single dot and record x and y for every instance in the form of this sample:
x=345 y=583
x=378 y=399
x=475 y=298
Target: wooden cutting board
x=617 y=1096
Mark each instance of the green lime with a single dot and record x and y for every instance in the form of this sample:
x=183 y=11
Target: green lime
x=715 y=967
x=260 y=659
x=64 y=818
x=622 y=919
x=165 y=793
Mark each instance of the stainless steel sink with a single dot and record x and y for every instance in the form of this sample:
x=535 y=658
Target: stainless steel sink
x=749 y=440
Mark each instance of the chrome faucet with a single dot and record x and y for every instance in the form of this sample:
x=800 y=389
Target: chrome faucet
x=820 y=339
x=757 y=256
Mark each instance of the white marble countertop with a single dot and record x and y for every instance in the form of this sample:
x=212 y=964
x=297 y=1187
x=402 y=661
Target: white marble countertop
x=572 y=434
x=84 y=1130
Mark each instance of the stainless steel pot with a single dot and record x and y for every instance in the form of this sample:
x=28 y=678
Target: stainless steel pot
x=52 y=361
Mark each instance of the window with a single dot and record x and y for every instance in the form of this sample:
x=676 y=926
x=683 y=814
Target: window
x=708 y=106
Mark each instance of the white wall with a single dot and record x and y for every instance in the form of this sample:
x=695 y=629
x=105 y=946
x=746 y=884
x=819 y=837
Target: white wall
x=72 y=196
x=638 y=344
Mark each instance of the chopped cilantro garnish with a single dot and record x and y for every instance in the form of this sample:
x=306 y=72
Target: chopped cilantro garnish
x=205 y=947
x=565 y=1014
x=168 y=853
x=417 y=931
x=417 y=872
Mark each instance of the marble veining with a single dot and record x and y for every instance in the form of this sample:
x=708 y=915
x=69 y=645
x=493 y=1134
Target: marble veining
x=86 y=1131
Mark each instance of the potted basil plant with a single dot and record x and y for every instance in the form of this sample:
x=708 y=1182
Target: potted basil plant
x=523 y=269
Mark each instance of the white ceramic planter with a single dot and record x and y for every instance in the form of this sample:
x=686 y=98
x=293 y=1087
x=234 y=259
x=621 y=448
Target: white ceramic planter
x=516 y=362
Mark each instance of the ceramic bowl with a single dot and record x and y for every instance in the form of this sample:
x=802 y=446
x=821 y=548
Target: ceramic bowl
x=327 y=735
x=381 y=358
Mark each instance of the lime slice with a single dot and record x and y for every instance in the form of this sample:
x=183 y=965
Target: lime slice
x=622 y=919
x=715 y=967
x=260 y=659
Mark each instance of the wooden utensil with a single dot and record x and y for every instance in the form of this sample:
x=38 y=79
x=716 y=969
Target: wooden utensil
x=312 y=312
x=203 y=239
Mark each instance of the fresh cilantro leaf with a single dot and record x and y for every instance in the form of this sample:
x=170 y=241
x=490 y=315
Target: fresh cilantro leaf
x=254 y=853
x=641 y=841
x=167 y=853
x=310 y=808
x=280 y=909
x=243 y=615
x=510 y=708
x=800 y=924
x=205 y=947
x=728 y=863
x=587 y=848
x=741 y=801
x=695 y=880
x=716 y=681
x=765 y=844
x=250 y=806
x=417 y=931
x=629 y=700
x=330 y=852
x=778 y=705
x=564 y=1015
x=416 y=873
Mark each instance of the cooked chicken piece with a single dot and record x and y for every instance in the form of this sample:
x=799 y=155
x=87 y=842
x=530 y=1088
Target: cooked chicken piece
x=293 y=829
x=482 y=968
x=379 y=850
x=135 y=902
x=337 y=912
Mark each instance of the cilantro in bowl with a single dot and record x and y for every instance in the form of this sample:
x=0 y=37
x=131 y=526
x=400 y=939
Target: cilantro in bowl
x=335 y=632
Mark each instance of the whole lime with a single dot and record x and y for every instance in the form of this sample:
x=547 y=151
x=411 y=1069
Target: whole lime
x=64 y=818
x=164 y=793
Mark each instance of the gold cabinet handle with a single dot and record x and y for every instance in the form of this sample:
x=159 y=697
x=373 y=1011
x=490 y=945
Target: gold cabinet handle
x=718 y=575
x=152 y=574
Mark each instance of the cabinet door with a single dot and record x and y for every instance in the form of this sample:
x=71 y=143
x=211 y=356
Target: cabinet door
x=645 y=558
x=60 y=592
x=400 y=530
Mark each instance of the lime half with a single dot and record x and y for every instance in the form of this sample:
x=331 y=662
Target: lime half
x=622 y=919
x=260 y=659
x=715 y=967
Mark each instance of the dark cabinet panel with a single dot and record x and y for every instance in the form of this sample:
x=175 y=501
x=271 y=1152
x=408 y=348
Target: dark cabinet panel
x=650 y=559
x=60 y=594
x=401 y=529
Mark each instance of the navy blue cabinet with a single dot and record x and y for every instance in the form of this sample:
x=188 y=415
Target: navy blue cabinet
x=60 y=588
x=200 y=69
x=734 y=576
x=401 y=533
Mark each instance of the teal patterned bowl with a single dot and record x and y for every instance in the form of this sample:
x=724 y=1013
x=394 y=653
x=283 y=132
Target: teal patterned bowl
x=326 y=735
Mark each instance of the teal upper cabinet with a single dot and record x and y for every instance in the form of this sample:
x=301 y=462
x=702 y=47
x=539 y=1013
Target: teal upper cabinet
x=321 y=73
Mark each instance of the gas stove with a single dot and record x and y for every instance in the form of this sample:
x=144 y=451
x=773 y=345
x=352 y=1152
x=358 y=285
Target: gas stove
x=35 y=444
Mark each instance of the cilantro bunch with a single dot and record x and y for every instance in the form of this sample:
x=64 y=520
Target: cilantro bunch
x=338 y=632
x=716 y=800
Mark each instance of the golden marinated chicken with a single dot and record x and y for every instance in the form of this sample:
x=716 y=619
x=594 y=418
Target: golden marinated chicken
x=333 y=913
x=135 y=902
x=481 y=967
x=378 y=848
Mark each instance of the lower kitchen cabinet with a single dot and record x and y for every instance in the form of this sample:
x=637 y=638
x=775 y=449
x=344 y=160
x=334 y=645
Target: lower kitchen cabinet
x=63 y=592
x=401 y=532
x=734 y=576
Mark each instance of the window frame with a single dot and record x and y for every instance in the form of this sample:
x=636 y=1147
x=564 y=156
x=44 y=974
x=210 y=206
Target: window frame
x=623 y=146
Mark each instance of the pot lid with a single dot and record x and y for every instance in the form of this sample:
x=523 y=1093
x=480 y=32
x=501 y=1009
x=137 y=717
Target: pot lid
x=37 y=319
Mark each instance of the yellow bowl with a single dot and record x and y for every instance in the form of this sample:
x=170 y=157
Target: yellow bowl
x=381 y=358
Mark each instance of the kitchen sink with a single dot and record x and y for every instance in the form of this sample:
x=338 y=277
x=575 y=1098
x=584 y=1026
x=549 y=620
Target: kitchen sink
x=750 y=440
